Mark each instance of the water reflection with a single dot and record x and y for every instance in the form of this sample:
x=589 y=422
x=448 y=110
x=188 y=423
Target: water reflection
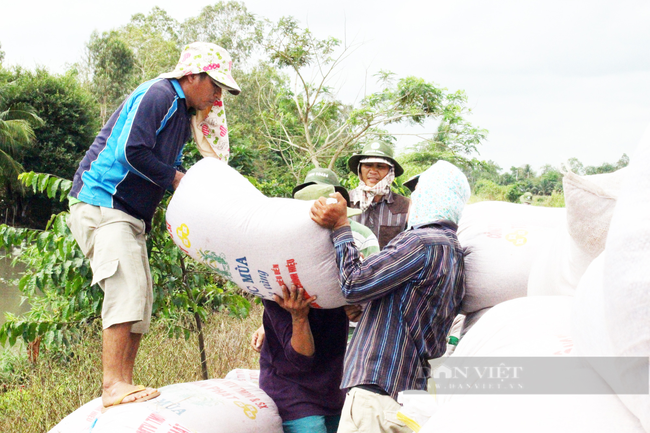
x=10 y=296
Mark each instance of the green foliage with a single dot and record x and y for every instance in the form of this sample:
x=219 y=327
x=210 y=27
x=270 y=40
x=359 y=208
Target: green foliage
x=514 y=191
x=56 y=283
x=69 y=119
x=154 y=50
x=577 y=167
x=227 y=24
x=556 y=199
x=64 y=129
x=488 y=190
x=274 y=188
x=16 y=134
x=307 y=126
x=34 y=397
x=53 y=186
x=57 y=279
x=112 y=63
x=2 y=55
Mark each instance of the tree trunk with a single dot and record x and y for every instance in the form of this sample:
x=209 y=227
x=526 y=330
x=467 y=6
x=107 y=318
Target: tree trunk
x=204 y=362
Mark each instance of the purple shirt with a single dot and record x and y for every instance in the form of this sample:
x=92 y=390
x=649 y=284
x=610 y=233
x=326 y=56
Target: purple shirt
x=301 y=385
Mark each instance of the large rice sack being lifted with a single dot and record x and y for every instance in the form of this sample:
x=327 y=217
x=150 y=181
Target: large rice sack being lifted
x=502 y=240
x=220 y=219
x=590 y=202
x=245 y=375
x=209 y=406
x=536 y=328
x=626 y=277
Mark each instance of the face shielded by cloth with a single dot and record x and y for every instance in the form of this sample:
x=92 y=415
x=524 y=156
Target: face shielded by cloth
x=209 y=126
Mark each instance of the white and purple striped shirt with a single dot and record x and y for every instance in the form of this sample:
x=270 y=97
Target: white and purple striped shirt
x=415 y=286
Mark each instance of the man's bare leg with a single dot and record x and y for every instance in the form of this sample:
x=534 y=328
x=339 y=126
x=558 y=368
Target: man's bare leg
x=120 y=348
x=129 y=357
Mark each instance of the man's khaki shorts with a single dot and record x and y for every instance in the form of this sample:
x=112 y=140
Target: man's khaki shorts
x=115 y=243
x=365 y=411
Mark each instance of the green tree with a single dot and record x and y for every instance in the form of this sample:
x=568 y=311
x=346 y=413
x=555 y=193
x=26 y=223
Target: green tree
x=17 y=122
x=228 y=24
x=576 y=166
x=623 y=162
x=308 y=126
x=69 y=114
x=112 y=70
x=70 y=123
x=2 y=54
x=153 y=40
x=548 y=182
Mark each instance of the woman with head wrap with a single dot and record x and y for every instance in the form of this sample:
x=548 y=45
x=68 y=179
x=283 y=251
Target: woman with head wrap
x=413 y=286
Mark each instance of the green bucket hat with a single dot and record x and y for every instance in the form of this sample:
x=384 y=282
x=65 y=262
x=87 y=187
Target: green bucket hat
x=375 y=150
x=316 y=191
x=322 y=176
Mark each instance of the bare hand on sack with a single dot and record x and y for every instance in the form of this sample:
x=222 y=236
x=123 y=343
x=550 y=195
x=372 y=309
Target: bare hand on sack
x=328 y=213
x=353 y=312
x=258 y=339
x=294 y=301
x=177 y=179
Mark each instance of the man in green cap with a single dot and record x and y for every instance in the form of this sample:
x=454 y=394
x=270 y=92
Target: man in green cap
x=382 y=211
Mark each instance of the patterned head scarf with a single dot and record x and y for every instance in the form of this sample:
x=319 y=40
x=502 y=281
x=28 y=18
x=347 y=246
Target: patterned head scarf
x=382 y=187
x=441 y=194
x=209 y=126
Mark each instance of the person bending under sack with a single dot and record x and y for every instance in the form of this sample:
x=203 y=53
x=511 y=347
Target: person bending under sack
x=121 y=181
x=301 y=361
x=383 y=211
x=414 y=287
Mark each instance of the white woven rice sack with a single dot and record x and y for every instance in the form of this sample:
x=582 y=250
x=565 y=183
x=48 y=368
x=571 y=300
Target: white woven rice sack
x=245 y=375
x=502 y=240
x=220 y=219
x=602 y=413
x=210 y=406
x=558 y=267
x=81 y=420
x=531 y=326
x=538 y=326
x=626 y=275
x=590 y=203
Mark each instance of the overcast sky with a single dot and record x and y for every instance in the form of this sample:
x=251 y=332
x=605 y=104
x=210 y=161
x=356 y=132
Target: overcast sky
x=549 y=79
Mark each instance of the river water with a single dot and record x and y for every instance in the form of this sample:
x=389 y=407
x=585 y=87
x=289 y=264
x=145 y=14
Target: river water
x=9 y=293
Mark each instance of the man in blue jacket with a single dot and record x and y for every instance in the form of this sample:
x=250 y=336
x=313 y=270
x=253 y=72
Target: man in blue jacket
x=118 y=186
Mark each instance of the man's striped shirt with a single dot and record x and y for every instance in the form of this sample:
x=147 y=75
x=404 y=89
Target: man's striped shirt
x=415 y=286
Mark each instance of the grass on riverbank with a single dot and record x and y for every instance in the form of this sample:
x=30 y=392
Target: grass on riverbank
x=35 y=397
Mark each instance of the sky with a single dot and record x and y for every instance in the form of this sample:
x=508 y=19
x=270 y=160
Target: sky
x=549 y=79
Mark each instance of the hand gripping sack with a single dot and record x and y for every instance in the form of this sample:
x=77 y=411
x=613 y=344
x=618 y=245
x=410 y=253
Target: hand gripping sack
x=209 y=406
x=501 y=240
x=221 y=220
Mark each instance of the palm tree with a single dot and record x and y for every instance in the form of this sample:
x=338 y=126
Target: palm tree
x=16 y=133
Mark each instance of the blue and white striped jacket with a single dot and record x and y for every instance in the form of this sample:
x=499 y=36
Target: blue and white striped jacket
x=132 y=161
